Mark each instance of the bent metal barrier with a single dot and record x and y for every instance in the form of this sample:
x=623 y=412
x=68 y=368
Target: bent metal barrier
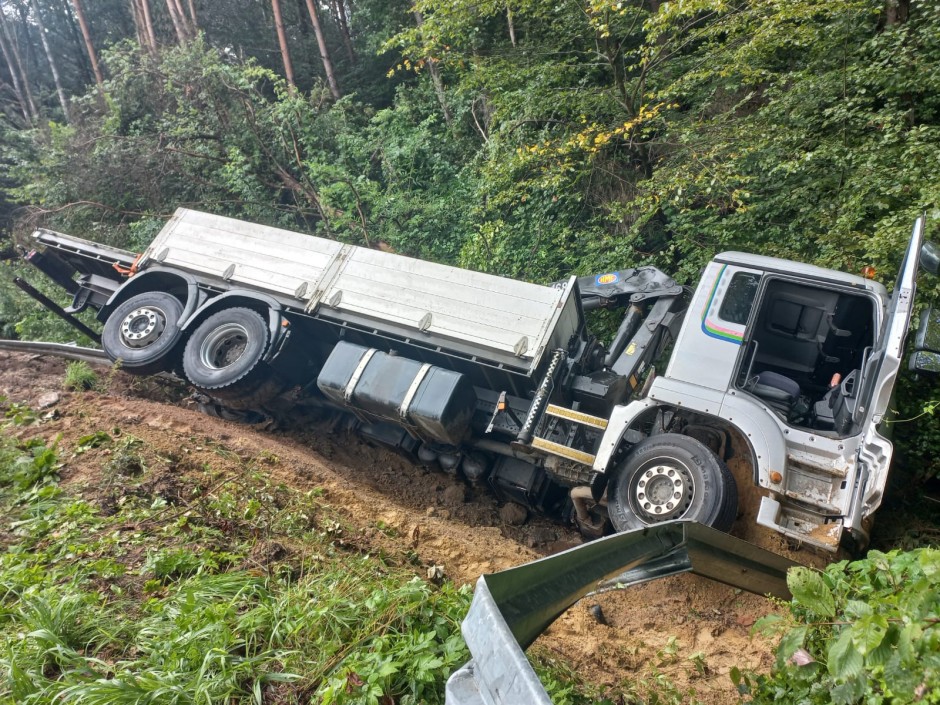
x=511 y=608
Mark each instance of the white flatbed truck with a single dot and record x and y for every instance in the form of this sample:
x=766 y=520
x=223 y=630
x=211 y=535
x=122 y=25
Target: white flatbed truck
x=504 y=382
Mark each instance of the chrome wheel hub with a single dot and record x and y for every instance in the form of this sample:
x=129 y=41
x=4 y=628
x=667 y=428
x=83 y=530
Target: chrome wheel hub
x=663 y=492
x=142 y=327
x=223 y=346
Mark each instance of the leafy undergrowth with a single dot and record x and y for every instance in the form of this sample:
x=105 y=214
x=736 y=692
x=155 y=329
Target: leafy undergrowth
x=241 y=593
x=861 y=632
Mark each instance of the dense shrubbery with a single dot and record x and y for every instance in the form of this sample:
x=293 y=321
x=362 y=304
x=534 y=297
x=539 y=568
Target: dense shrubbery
x=861 y=632
x=605 y=137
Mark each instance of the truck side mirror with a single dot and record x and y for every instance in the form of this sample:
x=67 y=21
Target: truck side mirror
x=928 y=331
x=925 y=362
x=930 y=257
x=926 y=357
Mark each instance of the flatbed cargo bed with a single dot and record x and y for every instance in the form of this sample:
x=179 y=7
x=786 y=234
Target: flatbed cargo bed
x=503 y=321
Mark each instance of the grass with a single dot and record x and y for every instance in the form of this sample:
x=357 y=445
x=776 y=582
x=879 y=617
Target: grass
x=79 y=376
x=230 y=590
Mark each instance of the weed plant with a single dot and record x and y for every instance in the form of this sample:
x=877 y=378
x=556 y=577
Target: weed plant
x=79 y=376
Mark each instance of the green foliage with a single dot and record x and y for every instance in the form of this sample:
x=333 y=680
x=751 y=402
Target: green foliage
x=186 y=609
x=28 y=466
x=861 y=632
x=79 y=376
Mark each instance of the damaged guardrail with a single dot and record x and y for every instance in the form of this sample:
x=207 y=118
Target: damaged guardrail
x=63 y=350
x=511 y=608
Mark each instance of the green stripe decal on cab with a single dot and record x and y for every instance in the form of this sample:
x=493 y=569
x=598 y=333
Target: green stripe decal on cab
x=710 y=326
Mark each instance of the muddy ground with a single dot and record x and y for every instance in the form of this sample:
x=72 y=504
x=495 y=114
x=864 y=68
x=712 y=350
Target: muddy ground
x=686 y=627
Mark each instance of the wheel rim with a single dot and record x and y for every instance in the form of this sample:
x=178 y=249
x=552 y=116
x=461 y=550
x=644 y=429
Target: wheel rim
x=662 y=490
x=143 y=326
x=224 y=346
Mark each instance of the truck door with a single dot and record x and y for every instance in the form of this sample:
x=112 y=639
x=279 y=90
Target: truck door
x=881 y=367
x=707 y=349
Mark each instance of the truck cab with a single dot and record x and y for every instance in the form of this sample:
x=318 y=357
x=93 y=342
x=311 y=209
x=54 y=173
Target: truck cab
x=801 y=362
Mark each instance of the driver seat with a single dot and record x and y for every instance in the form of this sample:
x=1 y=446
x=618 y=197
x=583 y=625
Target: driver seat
x=777 y=390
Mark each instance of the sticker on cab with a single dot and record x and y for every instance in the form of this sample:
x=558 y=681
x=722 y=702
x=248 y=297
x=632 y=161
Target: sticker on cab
x=610 y=278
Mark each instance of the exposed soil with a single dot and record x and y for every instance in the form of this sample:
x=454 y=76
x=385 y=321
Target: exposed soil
x=687 y=627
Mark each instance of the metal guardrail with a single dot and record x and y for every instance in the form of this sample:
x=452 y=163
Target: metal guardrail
x=69 y=352
x=511 y=608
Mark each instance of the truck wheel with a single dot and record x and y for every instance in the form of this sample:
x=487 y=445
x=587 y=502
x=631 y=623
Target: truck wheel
x=141 y=332
x=223 y=359
x=668 y=477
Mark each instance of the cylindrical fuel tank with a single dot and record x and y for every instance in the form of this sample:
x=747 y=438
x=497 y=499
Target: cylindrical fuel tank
x=437 y=403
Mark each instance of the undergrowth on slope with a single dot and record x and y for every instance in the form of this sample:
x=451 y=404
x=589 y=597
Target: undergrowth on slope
x=238 y=591
x=860 y=632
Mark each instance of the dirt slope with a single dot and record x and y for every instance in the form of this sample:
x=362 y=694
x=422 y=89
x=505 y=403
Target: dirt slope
x=688 y=628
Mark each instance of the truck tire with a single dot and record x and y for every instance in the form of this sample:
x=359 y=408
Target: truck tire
x=141 y=332
x=668 y=477
x=223 y=359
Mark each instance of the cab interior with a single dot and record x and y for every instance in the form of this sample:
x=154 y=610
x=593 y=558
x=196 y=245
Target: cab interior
x=806 y=349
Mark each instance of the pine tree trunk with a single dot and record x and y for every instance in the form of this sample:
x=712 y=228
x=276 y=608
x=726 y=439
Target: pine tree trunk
x=324 y=51
x=897 y=11
x=89 y=46
x=282 y=42
x=193 y=20
x=50 y=57
x=436 y=77
x=148 y=25
x=17 y=60
x=184 y=20
x=136 y=15
x=15 y=78
x=512 y=27
x=177 y=22
x=304 y=29
x=82 y=58
x=339 y=8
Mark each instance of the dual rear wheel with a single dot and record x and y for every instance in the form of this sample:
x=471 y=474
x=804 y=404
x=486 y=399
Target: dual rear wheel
x=223 y=357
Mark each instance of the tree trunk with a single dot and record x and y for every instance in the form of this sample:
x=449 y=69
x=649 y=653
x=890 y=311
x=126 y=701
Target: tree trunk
x=436 y=77
x=148 y=25
x=138 y=24
x=193 y=20
x=512 y=27
x=304 y=29
x=17 y=60
x=177 y=22
x=282 y=42
x=15 y=78
x=184 y=20
x=82 y=57
x=897 y=11
x=63 y=101
x=339 y=8
x=89 y=46
x=324 y=51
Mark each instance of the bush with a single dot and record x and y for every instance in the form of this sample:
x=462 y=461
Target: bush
x=861 y=632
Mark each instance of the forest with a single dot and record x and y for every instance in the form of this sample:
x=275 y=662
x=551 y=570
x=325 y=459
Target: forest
x=531 y=140
x=526 y=138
